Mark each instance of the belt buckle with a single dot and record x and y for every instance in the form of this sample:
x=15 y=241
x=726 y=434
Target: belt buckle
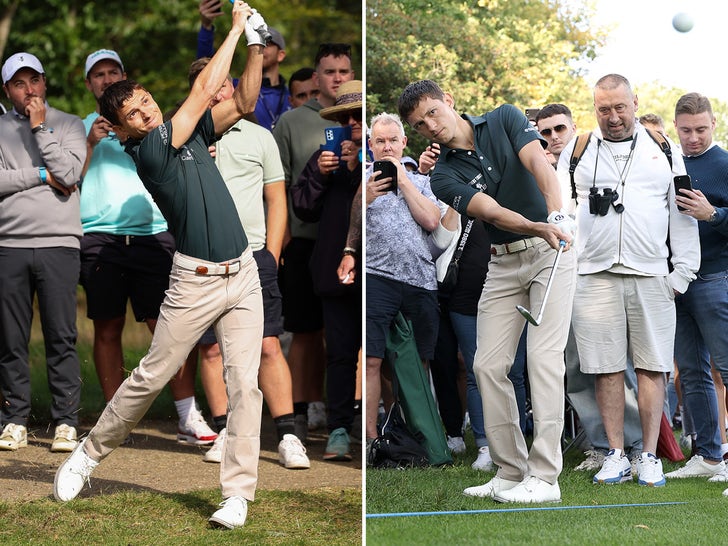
x=201 y=270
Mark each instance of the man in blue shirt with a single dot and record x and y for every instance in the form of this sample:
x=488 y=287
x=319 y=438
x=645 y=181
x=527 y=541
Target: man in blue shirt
x=702 y=311
x=273 y=99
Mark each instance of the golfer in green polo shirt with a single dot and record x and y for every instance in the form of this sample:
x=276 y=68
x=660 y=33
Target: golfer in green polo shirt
x=493 y=167
x=214 y=279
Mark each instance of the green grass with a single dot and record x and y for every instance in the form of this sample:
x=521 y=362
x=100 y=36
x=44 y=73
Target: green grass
x=698 y=521
x=323 y=516
x=289 y=517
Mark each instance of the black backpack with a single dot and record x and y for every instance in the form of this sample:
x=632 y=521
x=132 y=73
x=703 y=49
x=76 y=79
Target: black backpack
x=396 y=446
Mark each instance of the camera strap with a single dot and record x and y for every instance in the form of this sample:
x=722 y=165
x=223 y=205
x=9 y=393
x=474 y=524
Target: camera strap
x=627 y=163
x=582 y=141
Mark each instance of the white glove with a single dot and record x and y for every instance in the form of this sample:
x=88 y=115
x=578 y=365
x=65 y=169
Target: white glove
x=256 y=30
x=564 y=222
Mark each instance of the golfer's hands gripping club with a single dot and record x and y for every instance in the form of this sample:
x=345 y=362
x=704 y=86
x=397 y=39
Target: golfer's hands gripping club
x=564 y=222
x=256 y=29
x=260 y=26
x=240 y=16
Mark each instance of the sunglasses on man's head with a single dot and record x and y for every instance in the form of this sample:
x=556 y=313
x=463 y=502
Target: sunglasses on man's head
x=343 y=117
x=558 y=129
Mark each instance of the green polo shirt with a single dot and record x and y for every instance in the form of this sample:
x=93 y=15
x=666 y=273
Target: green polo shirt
x=493 y=168
x=190 y=192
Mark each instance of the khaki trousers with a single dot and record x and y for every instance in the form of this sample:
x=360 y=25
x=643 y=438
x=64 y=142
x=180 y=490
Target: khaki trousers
x=233 y=305
x=520 y=279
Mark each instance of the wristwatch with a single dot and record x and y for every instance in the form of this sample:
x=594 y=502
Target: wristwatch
x=43 y=175
x=713 y=215
x=40 y=127
x=348 y=251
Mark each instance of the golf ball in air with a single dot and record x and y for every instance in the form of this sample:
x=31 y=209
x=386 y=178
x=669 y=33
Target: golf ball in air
x=682 y=22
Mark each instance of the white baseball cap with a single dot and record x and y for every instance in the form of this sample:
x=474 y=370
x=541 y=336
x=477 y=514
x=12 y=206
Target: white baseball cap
x=100 y=55
x=18 y=61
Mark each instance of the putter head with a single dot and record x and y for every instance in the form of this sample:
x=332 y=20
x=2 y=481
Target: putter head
x=527 y=315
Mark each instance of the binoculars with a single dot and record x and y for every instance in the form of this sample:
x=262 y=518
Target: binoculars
x=599 y=202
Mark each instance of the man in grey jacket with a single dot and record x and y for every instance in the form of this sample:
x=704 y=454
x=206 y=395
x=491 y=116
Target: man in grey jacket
x=42 y=151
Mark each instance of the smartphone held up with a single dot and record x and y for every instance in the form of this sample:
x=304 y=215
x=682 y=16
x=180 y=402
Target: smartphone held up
x=682 y=182
x=387 y=170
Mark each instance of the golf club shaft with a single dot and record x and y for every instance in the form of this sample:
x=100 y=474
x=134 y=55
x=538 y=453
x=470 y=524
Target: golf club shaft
x=562 y=244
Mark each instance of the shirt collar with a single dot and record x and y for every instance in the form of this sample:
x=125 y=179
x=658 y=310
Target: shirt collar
x=474 y=121
x=704 y=151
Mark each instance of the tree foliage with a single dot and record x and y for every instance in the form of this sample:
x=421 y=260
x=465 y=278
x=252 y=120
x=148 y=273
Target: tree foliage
x=486 y=53
x=157 y=39
x=489 y=52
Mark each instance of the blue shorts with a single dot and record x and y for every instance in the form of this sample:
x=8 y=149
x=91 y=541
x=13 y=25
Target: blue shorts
x=385 y=297
x=272 y=300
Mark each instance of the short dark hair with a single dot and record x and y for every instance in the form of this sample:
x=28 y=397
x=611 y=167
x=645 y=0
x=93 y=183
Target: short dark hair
x=301 y=75
x=329 y=48
x=551 y=110
x=693 y=103
x=114 y=98
x=414 y=93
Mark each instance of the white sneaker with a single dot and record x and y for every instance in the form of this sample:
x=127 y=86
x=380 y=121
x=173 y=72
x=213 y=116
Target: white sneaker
x=232 y=514
x=696 y=467
x=615 y=469
x=64 y=439
x=316 y=415
x=721 y=476
x=214 y=454
x=594 y=461
x=456 y=444
x=484 y=461
x=73 y=473
x=13 y=437
x=291 y=453
x=649 y=469
x=195 y=431
x=494 y=486
x=530 y=490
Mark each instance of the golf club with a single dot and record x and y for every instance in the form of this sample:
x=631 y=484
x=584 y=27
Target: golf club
x=525 y=312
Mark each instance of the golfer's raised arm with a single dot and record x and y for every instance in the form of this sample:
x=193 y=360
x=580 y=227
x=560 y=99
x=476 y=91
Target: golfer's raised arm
x=211 y=78
x=245 y=96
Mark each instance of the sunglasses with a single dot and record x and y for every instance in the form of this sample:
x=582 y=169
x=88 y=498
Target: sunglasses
x=343 y=117
x=558 y=129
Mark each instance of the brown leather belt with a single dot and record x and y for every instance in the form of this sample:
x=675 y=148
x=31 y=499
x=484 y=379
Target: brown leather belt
x=202 y=267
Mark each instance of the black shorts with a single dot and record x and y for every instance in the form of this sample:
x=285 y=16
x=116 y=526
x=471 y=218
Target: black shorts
x=301 y=305
x=272 y=300
x=384 y=298
x=116 y=269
